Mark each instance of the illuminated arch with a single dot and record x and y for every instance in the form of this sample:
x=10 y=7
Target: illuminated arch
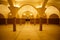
x=28 y=14
x=4 y=10
x=55 y=6
x=51 y=10
x=27 y=7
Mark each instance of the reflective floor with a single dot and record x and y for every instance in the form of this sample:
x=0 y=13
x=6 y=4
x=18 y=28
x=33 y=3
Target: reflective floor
x=29 y=31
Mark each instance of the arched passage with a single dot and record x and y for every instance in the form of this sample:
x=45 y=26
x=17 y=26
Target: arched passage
x=27 y=7
x=2 y=19
x=51 y=10
x=4 y=10
x=54 y=19
x=27 y=10
x=27 y=15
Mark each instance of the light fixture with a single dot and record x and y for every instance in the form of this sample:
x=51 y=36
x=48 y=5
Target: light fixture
x=16 y=5
x=39 y=6
x=24 y=14
x=10 y=14
x=31 y=14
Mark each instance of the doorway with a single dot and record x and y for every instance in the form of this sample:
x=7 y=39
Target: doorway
x=27 y=12
x=54 y=19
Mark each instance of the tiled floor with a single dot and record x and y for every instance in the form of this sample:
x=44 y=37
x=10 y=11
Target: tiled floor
x=30 y=32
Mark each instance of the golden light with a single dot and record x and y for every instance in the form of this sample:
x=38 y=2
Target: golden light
x=39 y=6
x=19 y=0
x=16 y=5
x=10 y=14
x=24 y=14
x=31 y=14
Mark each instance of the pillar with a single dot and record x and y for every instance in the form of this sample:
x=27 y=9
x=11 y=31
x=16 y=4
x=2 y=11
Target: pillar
x=40 y=24
x=14 y=24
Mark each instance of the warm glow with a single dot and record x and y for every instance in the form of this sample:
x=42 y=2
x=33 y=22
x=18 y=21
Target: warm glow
x=28 y=10
x=29 y=19
x=39 y=6
x=16 y=5
x=10 y=14
x=31 y=14
x=24 y=14
x=51 y=10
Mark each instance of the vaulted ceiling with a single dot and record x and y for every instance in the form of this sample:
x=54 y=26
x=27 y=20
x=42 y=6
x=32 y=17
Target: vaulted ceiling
x=55 y=3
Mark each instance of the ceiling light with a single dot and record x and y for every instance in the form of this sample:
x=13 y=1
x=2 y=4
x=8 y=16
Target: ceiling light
x=10 y=14
x=24 y=14
x=31 y=14
x=16 y=5
x=39 y=6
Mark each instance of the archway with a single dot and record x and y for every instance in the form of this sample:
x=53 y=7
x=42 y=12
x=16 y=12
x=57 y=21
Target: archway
x=27 y=7
x=27 y=10
x=51 y=10
x=27 y=16
x=53 y=19
x=2 y=19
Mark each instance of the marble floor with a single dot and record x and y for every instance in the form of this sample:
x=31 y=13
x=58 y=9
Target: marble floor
x=29 y=31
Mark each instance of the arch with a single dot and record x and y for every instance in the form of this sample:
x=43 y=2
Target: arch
x=27 y=7
x=55 y=6
x=51 y=10
x=4 y=10
x=54 y=19
x=54 y=16
x=28 y=4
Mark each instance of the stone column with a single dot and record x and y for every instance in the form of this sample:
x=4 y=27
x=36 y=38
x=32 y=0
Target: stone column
x=40 y=24
x=13 y=10
x=14 y=24
x=42 y=11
